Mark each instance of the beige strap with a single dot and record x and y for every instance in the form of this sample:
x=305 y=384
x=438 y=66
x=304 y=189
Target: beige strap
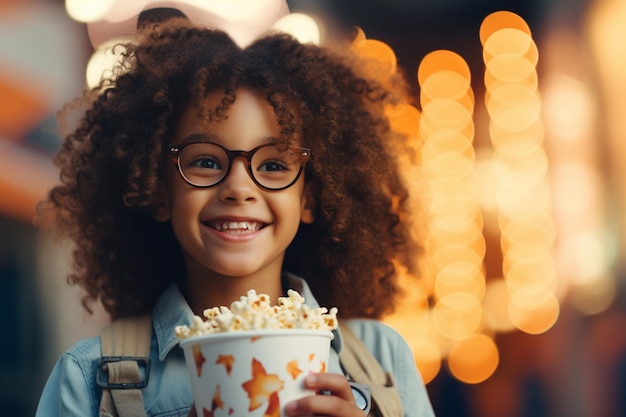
x=363 y=367
x=125 y=337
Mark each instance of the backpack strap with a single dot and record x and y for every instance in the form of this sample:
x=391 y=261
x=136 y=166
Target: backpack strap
x=124 y=367
x=359 y=363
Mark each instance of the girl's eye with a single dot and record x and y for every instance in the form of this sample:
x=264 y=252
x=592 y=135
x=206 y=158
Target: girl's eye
x=205 y=161
x=273 y=166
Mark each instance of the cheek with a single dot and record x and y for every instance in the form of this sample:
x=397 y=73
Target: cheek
x=186 y=204
x=186 y=209
x=291 y=207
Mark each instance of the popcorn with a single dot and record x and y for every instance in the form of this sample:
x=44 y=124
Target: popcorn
x=254 y=312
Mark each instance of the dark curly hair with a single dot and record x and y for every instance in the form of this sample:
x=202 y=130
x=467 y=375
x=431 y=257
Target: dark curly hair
x=112 y=165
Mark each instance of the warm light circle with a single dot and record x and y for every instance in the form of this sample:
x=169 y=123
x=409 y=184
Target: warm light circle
x=87 y=10
x=427 y=358
x=505 y=93
x=444 y=255
x=520 y=275
x=474 y=359
x=452 y=200
x=383 y=58
x=519 y=146
x=531 y=229
x=528 y=251
x=534 y=164
x=404 y=119
x=500 y=20
x=102 y=62
x=359 y=37
x=451 y=164
x=515 y=117
x=527 y=198
x=442 y=59
x=510 y=68
x=446 y=113
x=513 y=41
x=492 y=81
x=534 y=309
x=460 y=277
x=457 y=316
x=445 y=140
x=301 y=26
x=458 y=230
x=496 y=306
x=444 y=84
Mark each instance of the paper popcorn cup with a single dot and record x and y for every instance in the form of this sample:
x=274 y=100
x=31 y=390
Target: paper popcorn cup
x=253 y=373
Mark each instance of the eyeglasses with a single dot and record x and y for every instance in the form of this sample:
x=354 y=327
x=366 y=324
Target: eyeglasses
x=272 y=166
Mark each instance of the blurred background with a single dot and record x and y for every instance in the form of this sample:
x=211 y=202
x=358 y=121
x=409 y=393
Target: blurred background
x=519 y=116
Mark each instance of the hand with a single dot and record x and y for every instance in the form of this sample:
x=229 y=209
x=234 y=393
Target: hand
x=192 y=412
x=339 y=404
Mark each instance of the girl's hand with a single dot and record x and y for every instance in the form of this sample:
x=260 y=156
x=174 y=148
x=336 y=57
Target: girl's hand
x=339 y=404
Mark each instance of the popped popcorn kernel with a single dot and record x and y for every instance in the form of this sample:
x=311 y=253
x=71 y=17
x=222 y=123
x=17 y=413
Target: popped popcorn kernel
x=254 y=312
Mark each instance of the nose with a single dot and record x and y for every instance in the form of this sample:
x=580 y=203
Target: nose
x=238 y=187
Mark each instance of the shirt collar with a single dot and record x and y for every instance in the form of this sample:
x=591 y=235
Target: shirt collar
x=172 y=310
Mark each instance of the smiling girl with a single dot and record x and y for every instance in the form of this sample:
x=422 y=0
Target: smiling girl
x=204 y=170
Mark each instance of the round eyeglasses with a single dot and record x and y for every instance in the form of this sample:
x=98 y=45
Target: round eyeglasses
x=272 y=166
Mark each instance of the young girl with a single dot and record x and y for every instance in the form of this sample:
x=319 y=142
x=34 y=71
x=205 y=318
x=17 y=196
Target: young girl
x=204 y=170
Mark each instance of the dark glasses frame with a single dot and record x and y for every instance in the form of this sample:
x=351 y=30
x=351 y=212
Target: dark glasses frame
x=303 y=154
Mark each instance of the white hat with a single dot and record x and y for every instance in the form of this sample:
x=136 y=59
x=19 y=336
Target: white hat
x=243 y=20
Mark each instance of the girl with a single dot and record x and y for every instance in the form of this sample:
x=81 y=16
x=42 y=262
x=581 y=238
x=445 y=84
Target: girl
x=204 y=170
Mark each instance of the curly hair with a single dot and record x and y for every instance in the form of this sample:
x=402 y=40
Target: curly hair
x=113 y=162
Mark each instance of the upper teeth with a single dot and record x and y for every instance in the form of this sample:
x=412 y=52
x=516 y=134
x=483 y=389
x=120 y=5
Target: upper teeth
x=237 y=225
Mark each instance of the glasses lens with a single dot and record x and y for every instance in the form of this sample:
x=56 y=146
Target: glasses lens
x=203 y=164
x=275 y=166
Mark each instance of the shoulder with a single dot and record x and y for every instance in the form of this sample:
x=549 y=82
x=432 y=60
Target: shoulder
x=81 y=358
x=395 y=356
x=388 y=347
x=382 y=340
x=71 y=389
x=371 y=326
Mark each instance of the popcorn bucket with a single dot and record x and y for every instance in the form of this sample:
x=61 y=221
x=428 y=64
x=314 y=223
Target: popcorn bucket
x=253 y=373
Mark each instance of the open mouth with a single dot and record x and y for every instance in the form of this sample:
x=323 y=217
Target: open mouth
x=233 y=227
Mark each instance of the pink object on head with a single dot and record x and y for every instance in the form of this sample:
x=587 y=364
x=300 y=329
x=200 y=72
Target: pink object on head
x=243 y=20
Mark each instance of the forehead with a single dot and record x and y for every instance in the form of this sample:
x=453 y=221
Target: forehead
x=245 y=119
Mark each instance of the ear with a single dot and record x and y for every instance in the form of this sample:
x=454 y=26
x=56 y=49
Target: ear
x=307 y=207
x=162 y=212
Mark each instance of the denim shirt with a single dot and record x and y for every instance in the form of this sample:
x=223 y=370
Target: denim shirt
x=71 y=389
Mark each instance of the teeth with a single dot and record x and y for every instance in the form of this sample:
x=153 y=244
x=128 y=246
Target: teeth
x=237 y=226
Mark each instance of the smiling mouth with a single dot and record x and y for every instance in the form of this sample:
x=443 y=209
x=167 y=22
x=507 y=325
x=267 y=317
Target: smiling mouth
x=238 y=228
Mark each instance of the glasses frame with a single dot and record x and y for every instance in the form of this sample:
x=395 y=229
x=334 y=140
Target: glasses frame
x=174 y=151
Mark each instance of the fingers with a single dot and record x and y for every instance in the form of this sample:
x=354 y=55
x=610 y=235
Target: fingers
x=322 y=405
x=339 y=403
x=336 y=384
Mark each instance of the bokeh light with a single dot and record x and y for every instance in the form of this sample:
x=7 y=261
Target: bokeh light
x=474 y=359
x=503 y=186
x=523 y=193
x=103 y=61
x=87 y=10
x=301 y=26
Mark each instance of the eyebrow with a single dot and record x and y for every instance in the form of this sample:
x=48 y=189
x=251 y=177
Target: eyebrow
x=199 y=137
x=209 y=137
